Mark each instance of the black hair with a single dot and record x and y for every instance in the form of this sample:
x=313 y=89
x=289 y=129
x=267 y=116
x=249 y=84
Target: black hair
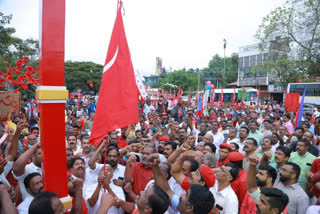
x=201 y=199
x=111 y=144
x=246 y=128
x=158 y=201
x=299 y=127
x=137 y=131
x=285 y=150
x=271 y=172
x=75 y=159
x=295 y=168
x=70 y=150
x=42 y=203
x=76 y=126
x=235 y=144
x=234 y=171
x=183 y=128
x=194 y=164
x=268 y=121
x=277 y=198
x=253 y=121
x=113 y=148
x=34 y=128
x=304 y=141
x=71 y=135
x=287 y=116
x=172 y=144
x=254 y=141
x=201 y=134
x=212 y=146
x=29 y=177
x=84 y=136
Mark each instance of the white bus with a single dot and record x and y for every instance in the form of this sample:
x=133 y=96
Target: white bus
x=228 y=92
x=312 y=95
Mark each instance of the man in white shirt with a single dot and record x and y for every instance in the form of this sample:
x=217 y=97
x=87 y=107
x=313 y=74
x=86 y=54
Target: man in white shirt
x=21 y=168
x=94 y=192
x=148 y=107
x=33 y=184
x=217 y=137
x=112 y=159
x=225 y=198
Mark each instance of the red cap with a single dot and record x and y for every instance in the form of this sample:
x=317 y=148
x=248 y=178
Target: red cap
x=224 y=145
x=163 y=138
x=230 y=115
x=213 y=117
x=208 y=175
x=150 y=117
x=235 y=156
x=222 y=116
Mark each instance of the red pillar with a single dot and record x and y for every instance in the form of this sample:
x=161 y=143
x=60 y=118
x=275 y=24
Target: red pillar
x=52 y=95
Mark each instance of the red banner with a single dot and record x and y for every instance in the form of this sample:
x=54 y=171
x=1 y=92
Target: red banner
x=291 y=102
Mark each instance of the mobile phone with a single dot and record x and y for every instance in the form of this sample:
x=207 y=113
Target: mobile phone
x=121 y=178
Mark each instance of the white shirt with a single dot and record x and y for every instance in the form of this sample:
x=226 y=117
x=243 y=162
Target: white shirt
x=217 y=139
x=118 y=172
x=226 y=199
x=148 y=109
x=23 y=208
x=5 y=172
x=118 y=191
x=30 y=168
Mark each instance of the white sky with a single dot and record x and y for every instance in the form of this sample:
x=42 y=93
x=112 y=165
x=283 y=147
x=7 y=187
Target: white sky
x=184 y=33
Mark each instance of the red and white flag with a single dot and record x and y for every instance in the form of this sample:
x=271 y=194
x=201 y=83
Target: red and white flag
x=117 y=106
x=141 y=87
x=312 y=116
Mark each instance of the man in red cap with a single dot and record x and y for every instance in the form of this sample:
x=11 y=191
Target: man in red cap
x=239 y=185
x=224 y=151
x=203 y=176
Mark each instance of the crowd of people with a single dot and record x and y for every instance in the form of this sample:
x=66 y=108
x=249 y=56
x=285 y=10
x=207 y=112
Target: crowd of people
x=227 y=159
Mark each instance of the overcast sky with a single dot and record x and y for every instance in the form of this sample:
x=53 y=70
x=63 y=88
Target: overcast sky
x=184 y=33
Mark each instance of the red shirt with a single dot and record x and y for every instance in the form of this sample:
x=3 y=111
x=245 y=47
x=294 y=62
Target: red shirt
x=141 y=176
x=121 y=142
x=239 y=186
x=316 y=177
x=222 y=163
x=84 y=207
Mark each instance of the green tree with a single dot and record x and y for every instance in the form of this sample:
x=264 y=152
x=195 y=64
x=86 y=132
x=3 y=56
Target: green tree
x=80 y=74
x=215 y=70
x=185 y=78
x=293 y=30
x=13 y=48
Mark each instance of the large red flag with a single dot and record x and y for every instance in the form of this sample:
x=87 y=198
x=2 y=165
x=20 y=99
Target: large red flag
x=117 y=105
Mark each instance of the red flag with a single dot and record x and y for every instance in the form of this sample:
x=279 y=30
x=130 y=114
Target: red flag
x=179 y=91
x=189 y=96
x=117 y=106
x=170 y=92
x=234 y=96
x=221 y=98
x=312 y=116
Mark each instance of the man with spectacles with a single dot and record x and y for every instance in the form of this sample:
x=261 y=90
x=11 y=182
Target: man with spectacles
x=225 y=198
x=288 y=183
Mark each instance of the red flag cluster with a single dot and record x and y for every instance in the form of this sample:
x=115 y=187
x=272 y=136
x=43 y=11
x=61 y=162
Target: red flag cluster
x=19 y=76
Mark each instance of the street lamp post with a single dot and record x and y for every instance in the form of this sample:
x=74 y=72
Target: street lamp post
x=224 y=56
